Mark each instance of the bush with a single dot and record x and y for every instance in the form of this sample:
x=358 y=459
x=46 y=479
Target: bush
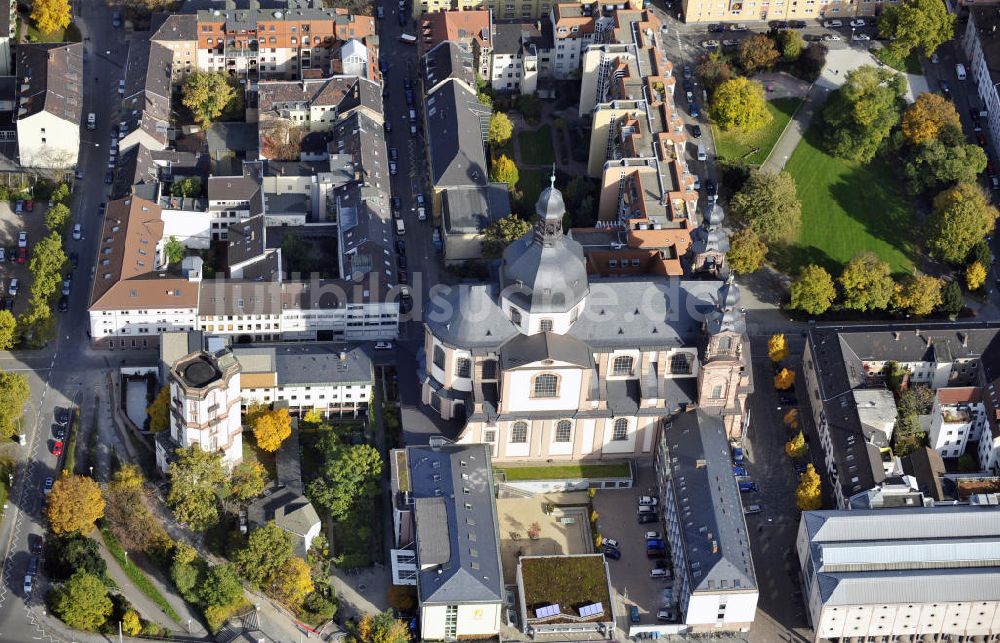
x=217 y=615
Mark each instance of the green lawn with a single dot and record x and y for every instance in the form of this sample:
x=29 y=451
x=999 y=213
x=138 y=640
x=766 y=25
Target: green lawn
x=253 y=453
x=70 y=34
x=568 y=582
x=536 y=146
x=137 y=576
x=911 y=65
x=847 y=207
x=735 y=146
x=567 y=471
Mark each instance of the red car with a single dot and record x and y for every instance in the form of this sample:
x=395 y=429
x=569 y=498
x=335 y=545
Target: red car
x=29 y=205
x=22 y=255
x=57 y=448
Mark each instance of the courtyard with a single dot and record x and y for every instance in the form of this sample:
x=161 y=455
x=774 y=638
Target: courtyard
x=543 y=525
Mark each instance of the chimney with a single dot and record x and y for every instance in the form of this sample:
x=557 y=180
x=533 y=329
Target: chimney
x=343 y=356
x=895 y=335
x=715 y=547
x=965 y=338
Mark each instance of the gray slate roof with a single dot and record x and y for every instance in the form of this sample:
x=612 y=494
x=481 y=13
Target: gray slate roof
x=307 y=364
x=288 y=509
x=698 y=442
x=175 y=26
x=55 y=79
x=530 y=349
x=472 y=210
x=457 y=530
x=448 y=60
x=456 y=123
x=246 y=240
x=908 y=555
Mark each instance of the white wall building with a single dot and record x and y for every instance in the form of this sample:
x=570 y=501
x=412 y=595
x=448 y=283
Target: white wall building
x=981 y=44
x=913 y=572
x=204 y=407
x=958 y=416
x=49 y=104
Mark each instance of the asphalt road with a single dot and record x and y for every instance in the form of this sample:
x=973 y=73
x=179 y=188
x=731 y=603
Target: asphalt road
x=66 y=373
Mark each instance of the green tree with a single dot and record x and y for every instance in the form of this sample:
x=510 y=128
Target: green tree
x=46 y=264
x=501 y=233
x=247 y=481
x=739 y=105
x=188 y=187
x=895 y=373
x=501 y=129
x=860 y=115
x=221 y=586
x=267 y=549
x=159 y=411
x=808 y=495
x=962 y=216
x=916 y=400
x=57 y=217
x=187 y=579
x=530 y=106
x=195 y=477
x=173 y=250
x=82 y=602
x=813 y=291
x=929 y=116
x=69 y=553
x=350 y=474
x=952 y=301
x=980 y=252
x=8 y=332
x=757 y=53
x=867 y=283
x=207 y=95
x=768 y=203
x=790 y=43
x=714 y=70
x=62 y=194
x=916 y=24
x=941 y=161
x=51 y=16
x=746 y=252
x=74 y=504
x=918 y=295
x=504 y=170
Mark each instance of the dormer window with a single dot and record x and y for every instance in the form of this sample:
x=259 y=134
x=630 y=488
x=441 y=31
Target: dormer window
x=622 y=365
x=545 y=326
x=515 y=317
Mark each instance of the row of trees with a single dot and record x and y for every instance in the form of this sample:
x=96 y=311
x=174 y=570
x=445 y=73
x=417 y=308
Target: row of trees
x=770 y=213
x=867 y=284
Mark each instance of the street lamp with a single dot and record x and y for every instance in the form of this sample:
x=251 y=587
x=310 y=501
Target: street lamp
x=91 y=471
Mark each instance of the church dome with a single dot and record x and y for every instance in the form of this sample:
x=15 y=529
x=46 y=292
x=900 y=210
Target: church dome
x=545 y=271
x=714 y=214
x=729 y=294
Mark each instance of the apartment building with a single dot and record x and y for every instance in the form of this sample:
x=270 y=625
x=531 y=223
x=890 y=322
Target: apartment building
x=447 y=539
x=715 y=586
x=146 y=101
x=472 y=30
x=8 y=28
x=49 y=104
x=574 y=27
x=981 y=44
x=178 y=32
x=701 y=11
x=522 y=57
x=275 y=43
x=204 y=407
x=548 y=364
x=914 y=573
x=845 y=366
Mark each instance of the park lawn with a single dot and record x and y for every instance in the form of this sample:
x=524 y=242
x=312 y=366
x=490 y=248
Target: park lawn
x=536 y=146
x=847 y=208
x=253 y=453
x=911 y=65
x=736 y=146
x=531 y=182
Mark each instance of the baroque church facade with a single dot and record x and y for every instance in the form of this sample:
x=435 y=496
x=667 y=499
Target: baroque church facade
x=552 y=364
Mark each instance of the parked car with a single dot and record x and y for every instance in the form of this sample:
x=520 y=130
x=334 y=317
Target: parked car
x=653 y=535
x=646 y=509
x=645 y=518
x=861 y=36
x=59 y=432
x=779 y=24
x=797 y=24
x=392 y=168
x=633 y=614
x=22 y=255
x=66 y=284
x=831 y=37
x=12 y=288
x=35 y=544
x=404 y=277
x=109 y=177
x=946 y=89
x=687 y=73
x=609 y=542
x=739 y=471
x=830 y=24
x=710 y=188
x=730 y=44
x=738 y=455
x=3 y=255
x=77 y=232
x=27 y=584
x=22 y=239
x=62 y=415
x=57 y=448
x=666 y=614
x=746 y=486
x=648 y=501
x=611 y=552
x=63 y=304
x=74 y=259
x=660 y=573
x=710 y=44
x=383 y=346
x=47 y=485
x=716 y=28
x=696 y=130
x=738 y=27
x=19 y=206
x=694 y=110
x=401 y=261
x=752 y=509
x=29 y=205
x=858 y=22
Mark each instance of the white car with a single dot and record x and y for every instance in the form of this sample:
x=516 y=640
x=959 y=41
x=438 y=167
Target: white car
x=383 y=346
x=22 y=240
x=730 y=43
x=858 y=23
x=609 y=542
x=648 y=501
x=829 y=24
x=65 y=287
x=77 y=232
x=653 y=535
x=421 y=213
x=392 y=168
x=752 y=509
x=710 y=44
x=861 y=36
x=12 y=288
x=831 y=36
x=27 y=585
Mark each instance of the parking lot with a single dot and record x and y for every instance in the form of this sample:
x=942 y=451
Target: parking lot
x=11 y=224
x=616 y=509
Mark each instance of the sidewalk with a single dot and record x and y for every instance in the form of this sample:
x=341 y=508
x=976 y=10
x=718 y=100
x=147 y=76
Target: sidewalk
x=147 y=608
